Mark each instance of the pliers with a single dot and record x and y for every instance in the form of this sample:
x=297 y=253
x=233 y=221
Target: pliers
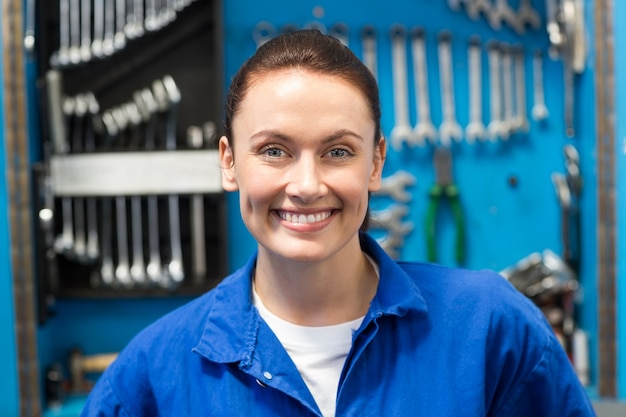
x=444 y=189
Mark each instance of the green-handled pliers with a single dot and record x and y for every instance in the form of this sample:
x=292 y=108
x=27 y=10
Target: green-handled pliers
x=444 y=189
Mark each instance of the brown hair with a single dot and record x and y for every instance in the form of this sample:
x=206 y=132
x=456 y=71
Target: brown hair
x=309 y=50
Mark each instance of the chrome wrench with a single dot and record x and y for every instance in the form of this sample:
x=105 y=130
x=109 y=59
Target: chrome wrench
x=502 y=12
x=108 y=42
x=368 y=39
x=527 y=15
x=496 y=127
x=395 y=186
x=93 y=250
x=85 y=30
x=151 y=19
x=75 y=41
x=63 y=54
x=80 y=241
x=521 y=119
x=401 y=131
x=539 y=110
x=107 y=269
x=65 y=242
x=474 y=8
x=424 y=128
x=195 y=139
x=449 y=128
x=475 y=129
x=98 y=28
x=119 y=39
x=507 y=89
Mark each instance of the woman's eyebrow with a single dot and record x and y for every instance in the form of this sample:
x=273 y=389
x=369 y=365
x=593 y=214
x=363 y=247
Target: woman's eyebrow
x=271 y=133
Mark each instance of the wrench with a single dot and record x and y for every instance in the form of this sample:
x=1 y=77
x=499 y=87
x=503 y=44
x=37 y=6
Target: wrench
x=85 y=30
x=98 y=28
x=148 y=108
x=63 y=55
x=449 y=128
x=390 y=244
x=151 y=19
x=29 y=26
x=401 y=131
x=502 y=12
x=424 y=128
x=340 y=31
x=527 y=15
x=473 y=8
x=119 y=39
x=475 y=129
x=390 y=219
x=75 y=40
x=107 y=269
x=167 y=13
x=368 y=39
x=496 y=127
x=507 y=89
x=521 y=119
x=92 y=220
x=395 y=186
x=80 y=110
x=456 y=4
x=168 y=98
x=108 y=42
x=134 y=19
x=195 y=139
x=539 y=110
x=263 y=32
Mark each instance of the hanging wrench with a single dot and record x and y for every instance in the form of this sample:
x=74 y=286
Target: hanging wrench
x=390 y=244
x=151 y=22
x=80 y=110
x=424 y=128
x=263 y=32
x=119 y=39
x=98 y=28
x=196 y=140
x=395 y=186
x=539 y=110
x=368 y=39
x=507 y=89
x=521 y=119
x=134 y=19
x=456 y=4
x=340 y=31
x=65 y=242
x=496 y=127
x=449 y=128
x=166 y=14
x=74 y=50
x=63 y=54
x=148 y=108
x=168 y=98
x=401 y=131
x=85 y=30
x=107 y=269
x=390 y=219
x=475 y=129
x=108 y=42
x=502 y=12
x=526 y=15
x=92 y=220
x=474 y=8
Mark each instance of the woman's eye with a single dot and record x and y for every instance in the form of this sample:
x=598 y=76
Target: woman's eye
x=273 y=152
x=339 y=153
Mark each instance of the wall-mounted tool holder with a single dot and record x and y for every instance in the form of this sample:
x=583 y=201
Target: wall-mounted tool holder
x=128 y=192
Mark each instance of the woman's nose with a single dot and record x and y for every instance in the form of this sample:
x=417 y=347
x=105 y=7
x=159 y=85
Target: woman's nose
x=305 y=180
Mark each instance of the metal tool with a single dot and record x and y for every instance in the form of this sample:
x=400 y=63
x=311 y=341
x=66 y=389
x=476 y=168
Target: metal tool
x=340 y=31
x=496 y=127
x=474 y=8
x=539 y=111
x=263 y=32
x=390 y=219
x=80 y=238
x=134 y=19
x=507 y=89
x=449 y=128
x=424 y=128
x=168 y=98
x=368 y=39
x=527 y=15
x=151 y=21
x=108 y=42
x=444 y=189
x=196 y=140
x=475 y=129
x=93 y=250
x=395 y=186
x=85 y=30
x=401 y=131
x=502 y=12
x=521 y=118
x=148 y=108
x=29 y=26
x=119 y=39
x=62 y=56
x=65 y=242
x=98 y=28
x=391 y=244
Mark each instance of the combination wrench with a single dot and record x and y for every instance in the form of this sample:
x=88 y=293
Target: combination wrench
x=475 y=129
x=401 y=131
x=395 y=186
x=527 y=15
x=368 y=39
x=507 y=89
x=108 y=41
x=80 y=239
x=65 y=242
x=98 y=28
x=93 y=108
x=168 y=98
x=496 y=127
x=151 y=21
x=119 y=39
x=85 y=30
x=196 y=140
x=424 y=128
x=75 y=41
x=63 y=54
x=502 y=12
x=449 y=128
x=390 y=219
x=474 y=8
x=539 y=110
x=521 y=119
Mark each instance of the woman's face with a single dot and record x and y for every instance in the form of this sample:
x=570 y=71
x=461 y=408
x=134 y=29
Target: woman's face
x=303 y=159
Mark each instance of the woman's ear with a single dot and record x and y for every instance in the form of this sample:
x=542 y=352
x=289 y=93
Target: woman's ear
x=380 y=154
x=227 y=162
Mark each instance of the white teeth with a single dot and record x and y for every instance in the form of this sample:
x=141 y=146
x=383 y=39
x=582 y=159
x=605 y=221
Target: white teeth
x=304 y=218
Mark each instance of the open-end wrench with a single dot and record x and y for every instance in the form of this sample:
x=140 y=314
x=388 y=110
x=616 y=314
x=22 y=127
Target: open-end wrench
x=108 y=42
x=390 y=219
x=539 y=110
x=65 y=242
x=395 y=186
x=134 y=19
x=368 y=40
x=521 y=119
x=122 y=271
x=167 y=13
x=63 y=54
x=98 y=28
x=424 y=128
x=107 y=269
x=401 y=131
x=85 y=30
x=151 y=22
x=474 y=8
x=449 y=128
x=502 y=12
x=29 y=26
x=456 y=4
x=196 y=140
x=168 y=98
x=507 y=88
x=75 y=40
x=80 y=239
x=391 y=244
x=527 y=15
x=496 y=127
x=119 y=39
x=148 y=108
x=475 y=129
x=93 y=108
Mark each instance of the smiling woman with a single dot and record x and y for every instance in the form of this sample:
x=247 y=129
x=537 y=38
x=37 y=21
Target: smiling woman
x=321 y=321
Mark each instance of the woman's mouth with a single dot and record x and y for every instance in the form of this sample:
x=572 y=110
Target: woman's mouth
x=301 y=218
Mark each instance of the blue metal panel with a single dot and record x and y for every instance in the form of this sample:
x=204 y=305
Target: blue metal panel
x=620 y=135
x=9 y=400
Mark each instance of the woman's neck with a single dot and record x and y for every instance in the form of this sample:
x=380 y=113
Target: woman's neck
x=326 y=292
